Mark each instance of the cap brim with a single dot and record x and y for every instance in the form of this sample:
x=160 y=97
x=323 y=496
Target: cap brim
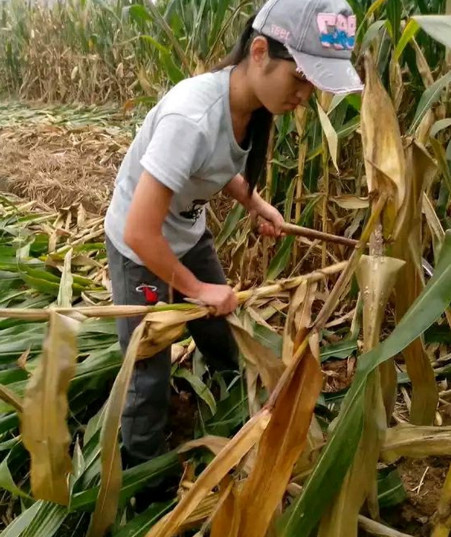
x=335 y=75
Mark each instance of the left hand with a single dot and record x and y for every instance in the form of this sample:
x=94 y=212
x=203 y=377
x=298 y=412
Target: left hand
x=271 y=226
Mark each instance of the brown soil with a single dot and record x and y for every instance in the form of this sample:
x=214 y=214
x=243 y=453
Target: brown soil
x=182 y=417
x=423 y=480
x=338 y=374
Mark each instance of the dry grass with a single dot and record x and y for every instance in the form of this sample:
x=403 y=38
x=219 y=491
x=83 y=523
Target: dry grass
x=61 y=165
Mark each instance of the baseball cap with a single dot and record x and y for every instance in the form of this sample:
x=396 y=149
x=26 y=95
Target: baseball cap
x=319 y=35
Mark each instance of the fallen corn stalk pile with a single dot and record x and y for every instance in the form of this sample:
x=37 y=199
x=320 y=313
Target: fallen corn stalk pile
x=275 y=451
x=62 y=156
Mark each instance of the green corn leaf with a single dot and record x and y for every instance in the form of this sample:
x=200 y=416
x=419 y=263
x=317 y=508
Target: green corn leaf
x=394 y=16
x=140 y=525
x=377 y=4
x=437 y=26
x=429 y=97
x=133 y=480
x=440 y=155
x=340 y=350
x=17 y=527
x=281 y=259
x=409 y=32
x=390 y=488
x=372 y=33
x=326 y=478
x=7 y=481
x=198 y=386
x=439 y=126
x=42 y=518
x=229 y=225
x=139 y=13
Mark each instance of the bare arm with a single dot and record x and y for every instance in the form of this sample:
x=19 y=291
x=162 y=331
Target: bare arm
x=238 y=189
x=143 y=234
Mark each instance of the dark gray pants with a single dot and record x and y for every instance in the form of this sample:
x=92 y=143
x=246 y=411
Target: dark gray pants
x=146 y=408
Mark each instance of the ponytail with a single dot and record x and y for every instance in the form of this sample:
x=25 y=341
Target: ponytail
x=259 y=127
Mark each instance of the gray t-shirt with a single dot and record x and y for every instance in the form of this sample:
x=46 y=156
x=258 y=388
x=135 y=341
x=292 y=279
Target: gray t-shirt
x=187 y=143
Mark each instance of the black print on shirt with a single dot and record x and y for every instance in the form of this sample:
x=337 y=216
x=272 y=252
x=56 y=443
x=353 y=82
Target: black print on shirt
x=194 y=212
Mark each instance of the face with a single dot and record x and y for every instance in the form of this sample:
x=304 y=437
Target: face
x=275 y=82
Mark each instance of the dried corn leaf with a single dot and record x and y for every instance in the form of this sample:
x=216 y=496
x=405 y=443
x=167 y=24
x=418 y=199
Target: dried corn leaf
x=22 y=360
x=11 y=398
x=162 y=328
x=341 y=518
x=289 y=331
x=442 y=517
x=64 y=299
x=408 y=246
x=266 y=363
x=442 y=161
x=280 y=446
x=226 y=519
x=315 y=441
x=420 y=170
x=351 y=202
x=396 y=83
x=43 y=422
x=246 y=344
x=434 y=224
x=214 y=443
x=432 y=219
x=423 y=130
x=382 y=146
x=376 y=276
x=111 y=470
x=296 y=323
x=298 y=318
x=227 y=459
x=203 y=511
x=330 y=133
x=415 y=441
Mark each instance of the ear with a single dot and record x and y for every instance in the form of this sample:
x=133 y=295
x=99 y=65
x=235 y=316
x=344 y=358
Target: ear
x=258 y=51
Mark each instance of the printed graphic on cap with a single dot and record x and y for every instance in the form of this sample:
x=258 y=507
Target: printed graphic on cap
x=337 y=31
x=278 y=32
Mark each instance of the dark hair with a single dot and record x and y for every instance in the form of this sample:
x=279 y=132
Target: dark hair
x=261 y=120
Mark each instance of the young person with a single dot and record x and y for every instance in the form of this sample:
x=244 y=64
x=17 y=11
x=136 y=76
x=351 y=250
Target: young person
x=208 y=134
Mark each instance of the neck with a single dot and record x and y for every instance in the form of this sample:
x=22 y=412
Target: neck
x=242 y=98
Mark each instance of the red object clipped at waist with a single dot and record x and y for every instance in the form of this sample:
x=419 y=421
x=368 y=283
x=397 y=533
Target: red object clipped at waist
x=150 y=293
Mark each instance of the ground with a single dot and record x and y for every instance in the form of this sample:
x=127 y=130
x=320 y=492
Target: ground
x=54 y=157
x=423 y=480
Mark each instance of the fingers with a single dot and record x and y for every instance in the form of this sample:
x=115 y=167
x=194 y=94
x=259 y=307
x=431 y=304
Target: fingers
x=269 y=230
x=220 y=297
x=228 y=305
x=223 y=310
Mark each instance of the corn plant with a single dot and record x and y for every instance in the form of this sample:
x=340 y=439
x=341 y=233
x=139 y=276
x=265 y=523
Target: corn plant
x=365 y=168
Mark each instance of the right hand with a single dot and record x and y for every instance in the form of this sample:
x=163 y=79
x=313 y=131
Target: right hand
x=221 y=297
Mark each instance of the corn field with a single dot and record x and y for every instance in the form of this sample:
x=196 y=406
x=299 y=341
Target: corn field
x=345 y=348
